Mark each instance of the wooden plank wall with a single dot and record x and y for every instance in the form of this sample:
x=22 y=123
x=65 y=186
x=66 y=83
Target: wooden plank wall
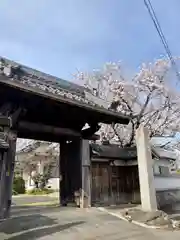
x=114 y=184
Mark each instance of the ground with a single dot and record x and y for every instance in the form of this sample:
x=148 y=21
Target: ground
x=52 y=222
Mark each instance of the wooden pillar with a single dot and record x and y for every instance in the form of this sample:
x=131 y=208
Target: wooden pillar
x=6 y=178
x=63 y=173
x=7 y=122
x=11 y=153
x=75 y=172
x=86 y=174
x=1 y=160
x=2 y=184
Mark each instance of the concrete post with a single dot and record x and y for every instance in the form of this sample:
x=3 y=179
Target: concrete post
x=145 y=166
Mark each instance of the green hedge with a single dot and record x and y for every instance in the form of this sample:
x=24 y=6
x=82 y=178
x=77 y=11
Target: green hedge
x=18 y=186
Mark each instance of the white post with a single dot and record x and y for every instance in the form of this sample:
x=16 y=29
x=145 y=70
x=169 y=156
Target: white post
x=145 y=166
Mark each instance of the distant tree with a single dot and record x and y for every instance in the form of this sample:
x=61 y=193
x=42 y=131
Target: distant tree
x=18 y=185
x=41 y=180
x=29 y=161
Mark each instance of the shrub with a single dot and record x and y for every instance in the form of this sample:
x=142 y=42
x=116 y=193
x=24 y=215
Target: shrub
x=38 y=191
x=18 y=185
x=14 y=192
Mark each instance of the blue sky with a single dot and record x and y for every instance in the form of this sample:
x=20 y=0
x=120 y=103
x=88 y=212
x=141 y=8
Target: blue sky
x=60 y=36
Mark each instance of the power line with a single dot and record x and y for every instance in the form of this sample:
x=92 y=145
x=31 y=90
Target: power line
x=157 y=25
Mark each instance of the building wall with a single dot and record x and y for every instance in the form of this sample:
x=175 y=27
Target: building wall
x=165 y=183
x=167 y=187
x=160 y=163
x=53 y=183
x=164 y=180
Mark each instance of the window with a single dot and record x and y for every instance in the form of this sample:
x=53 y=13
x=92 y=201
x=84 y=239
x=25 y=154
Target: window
x=156 y=169
x=164 y=171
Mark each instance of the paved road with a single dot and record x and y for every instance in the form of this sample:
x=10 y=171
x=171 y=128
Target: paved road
x=52 y=223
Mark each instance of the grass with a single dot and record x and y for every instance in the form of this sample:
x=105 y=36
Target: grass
x=38 y=204
x=44 y=191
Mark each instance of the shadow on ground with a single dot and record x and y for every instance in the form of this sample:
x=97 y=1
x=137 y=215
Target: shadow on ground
x=24 y=223
x=33 y=226
x=38 y=233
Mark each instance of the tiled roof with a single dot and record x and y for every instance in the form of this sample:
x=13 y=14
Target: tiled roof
x=49 y=79
x=163 y=153
x=43 y=81
x=115 y=152
x=49 y=86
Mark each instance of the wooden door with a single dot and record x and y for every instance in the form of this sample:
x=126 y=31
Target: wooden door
x=124 y=184
x=100 y=183
x=114 y=184
x=117 y=185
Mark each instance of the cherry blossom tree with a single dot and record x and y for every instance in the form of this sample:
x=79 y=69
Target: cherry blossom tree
x=146 y=97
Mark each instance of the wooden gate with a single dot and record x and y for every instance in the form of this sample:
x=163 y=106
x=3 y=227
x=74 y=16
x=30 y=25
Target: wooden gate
x=114 y=184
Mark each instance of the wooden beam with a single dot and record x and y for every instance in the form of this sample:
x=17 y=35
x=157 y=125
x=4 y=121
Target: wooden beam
x=41 y=136
x=34 y=127
x=89 y=132
x=9 y=114
x=6 y=108
x=49 y=137
x=15 y=116
x=5 y=121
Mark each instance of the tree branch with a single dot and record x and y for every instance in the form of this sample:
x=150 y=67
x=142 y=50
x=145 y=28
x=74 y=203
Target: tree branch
x=116 y=133
x=143 y=109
